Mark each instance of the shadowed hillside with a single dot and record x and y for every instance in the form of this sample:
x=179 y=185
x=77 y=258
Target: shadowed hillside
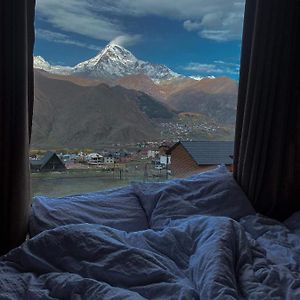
x=216 y=98
x=69 y=115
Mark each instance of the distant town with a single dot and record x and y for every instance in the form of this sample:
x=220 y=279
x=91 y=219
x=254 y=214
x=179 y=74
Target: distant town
x=144 y=153
x=65 y=171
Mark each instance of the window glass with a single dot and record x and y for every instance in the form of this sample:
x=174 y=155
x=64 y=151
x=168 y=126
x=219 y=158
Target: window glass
x=132 y=91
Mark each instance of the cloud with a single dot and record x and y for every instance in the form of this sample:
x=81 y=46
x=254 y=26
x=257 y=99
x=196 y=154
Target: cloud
x=218 y=26
x=62 y=39
x=203 y=68
x=126 y=40
x=216 y=68
x=227 y=64
x=80 y=17
x=191 y=26
x=218 y=20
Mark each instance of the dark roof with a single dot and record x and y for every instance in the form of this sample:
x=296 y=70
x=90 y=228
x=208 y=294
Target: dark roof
x=208 y=152
x=35 y=162
x=41 y=162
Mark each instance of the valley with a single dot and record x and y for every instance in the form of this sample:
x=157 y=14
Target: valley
x=115 y=98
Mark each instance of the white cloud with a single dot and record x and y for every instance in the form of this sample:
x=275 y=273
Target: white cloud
x=203 y=68
x=217 y=68
x=80 y=17
x=62 y=39
x=217 y=35
x=219 y=20
x=126 y=40
x=228 y=64
x=218 y=26
x=191 y=26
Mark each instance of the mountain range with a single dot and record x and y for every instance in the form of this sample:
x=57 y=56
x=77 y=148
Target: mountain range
x=110 y=63
x=116 y=98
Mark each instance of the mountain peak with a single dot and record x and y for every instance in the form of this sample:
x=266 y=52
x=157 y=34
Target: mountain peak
x=113 y=61
x=117 y=52
x=40 y=63
x=110 y=49
x=113 y=45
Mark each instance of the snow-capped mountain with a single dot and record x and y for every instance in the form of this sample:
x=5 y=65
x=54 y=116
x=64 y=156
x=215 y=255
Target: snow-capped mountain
x=115 y=61
x=112 y=62
x=40 y=63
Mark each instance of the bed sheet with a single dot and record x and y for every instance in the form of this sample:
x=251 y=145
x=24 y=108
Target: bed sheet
x=141 y=206
x=193 y=238
x=200 y=257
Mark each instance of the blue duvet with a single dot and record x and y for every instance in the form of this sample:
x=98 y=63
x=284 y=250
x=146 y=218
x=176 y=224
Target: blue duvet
x=177 y=251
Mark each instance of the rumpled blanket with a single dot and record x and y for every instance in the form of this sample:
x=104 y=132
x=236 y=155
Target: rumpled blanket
x=200 y=257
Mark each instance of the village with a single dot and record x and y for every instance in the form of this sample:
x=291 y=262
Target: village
x=58 y=173
x=141 y=154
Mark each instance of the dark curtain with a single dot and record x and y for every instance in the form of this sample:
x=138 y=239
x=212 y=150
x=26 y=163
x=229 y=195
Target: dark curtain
x=267 y=150
x=16 y=96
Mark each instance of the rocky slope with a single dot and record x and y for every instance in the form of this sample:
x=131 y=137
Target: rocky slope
x=70 y=115
x=216 y=98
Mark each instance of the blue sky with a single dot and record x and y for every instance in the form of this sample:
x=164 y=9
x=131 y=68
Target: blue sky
x=192 y=37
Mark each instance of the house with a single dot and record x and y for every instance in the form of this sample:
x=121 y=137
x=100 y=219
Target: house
x=196 y=156
x=109 y=159
x=163 y=148
x=164 y=155
x=50 y=162
x=152 y=153
x=165 y=159
x=120 y=154
x=94 y=159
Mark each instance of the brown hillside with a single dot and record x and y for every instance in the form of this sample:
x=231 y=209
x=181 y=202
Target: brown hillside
x=70 y=115
x=74 y=79
x=216 y=98
x=142 y=83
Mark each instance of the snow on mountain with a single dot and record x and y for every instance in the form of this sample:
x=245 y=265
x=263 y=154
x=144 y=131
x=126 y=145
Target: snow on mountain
x=112 y=62
x=202 y=77
x=115 y=61
x=40 y=63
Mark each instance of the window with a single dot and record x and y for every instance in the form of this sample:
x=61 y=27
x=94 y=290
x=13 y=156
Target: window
x=132 y=91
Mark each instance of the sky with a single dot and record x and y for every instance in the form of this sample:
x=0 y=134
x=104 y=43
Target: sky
x=192 y=37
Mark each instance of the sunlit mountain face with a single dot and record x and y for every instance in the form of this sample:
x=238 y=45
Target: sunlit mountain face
x=112 y=62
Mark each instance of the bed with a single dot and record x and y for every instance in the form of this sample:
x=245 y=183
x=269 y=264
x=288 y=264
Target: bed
x=193 y=238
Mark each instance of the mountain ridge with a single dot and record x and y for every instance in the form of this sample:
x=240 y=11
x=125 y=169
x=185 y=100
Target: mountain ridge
x=71 y=115
x=112 y=62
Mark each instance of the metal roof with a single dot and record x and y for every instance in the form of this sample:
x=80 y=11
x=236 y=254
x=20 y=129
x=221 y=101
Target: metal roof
x=36 y=162
x=209 y=152
x=41 y=162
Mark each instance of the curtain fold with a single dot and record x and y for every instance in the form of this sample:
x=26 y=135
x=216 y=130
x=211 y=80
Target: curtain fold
x=16 y=95
x=266 y=144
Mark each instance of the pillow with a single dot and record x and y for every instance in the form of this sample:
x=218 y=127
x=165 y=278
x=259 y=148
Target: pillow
x=118 y=208
x=212 y=193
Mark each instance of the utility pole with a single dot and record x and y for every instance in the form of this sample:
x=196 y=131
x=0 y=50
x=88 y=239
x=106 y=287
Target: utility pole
x=145 y=172
x=167 y=167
